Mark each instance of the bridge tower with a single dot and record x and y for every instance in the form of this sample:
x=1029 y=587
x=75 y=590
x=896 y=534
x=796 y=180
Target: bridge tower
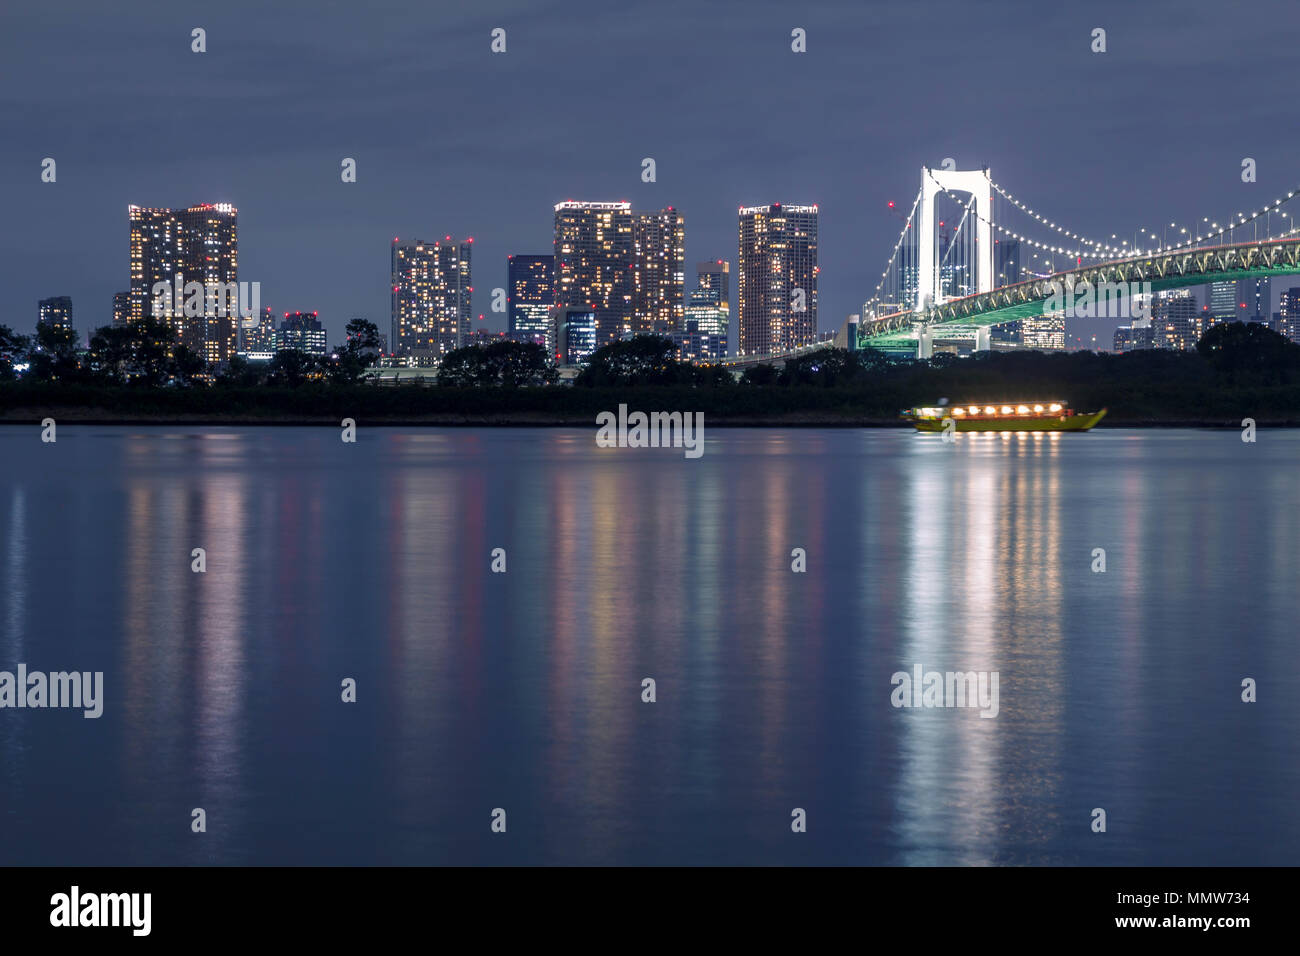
x=977 y=183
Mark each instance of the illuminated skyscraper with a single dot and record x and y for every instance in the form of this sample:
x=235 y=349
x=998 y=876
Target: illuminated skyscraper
x=157 y=255
x=1254 y=299
x=200 y=244
x=593 y=255
x=1175 y=319
x=709 y=310
x=1223 y=301
x=530 y=285
x=1288 y=315
x=1044 y=332
x=259 y=343
x=56 y=312
x=625 y=267
x=431 y=297
x=301 y=331
x=210 y=245
x=121 y=307
x=776 y=291
x=658 y=272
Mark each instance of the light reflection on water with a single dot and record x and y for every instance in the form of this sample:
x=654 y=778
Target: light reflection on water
x=522 y=690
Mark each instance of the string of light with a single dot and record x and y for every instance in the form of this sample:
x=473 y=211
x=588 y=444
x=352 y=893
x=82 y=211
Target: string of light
x=875 y=297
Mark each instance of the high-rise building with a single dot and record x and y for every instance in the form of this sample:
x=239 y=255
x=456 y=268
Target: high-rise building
x=121 y=307
x=1175 y=319
x=301 y=331
x=431 y=297
x=56 y=312
x=1044 y=332
x=211 y=252
x=530 y=285
x=593 y=255
x=1131 y=338
x=572 y=336
x=699 y=346
x=258 y=344
x=1254 y=299
x=626 y=267
x=776 y=290
x=200 y=244
x=709 y=309
x=658 y=272
x=1223 y=301
x=1288 y=314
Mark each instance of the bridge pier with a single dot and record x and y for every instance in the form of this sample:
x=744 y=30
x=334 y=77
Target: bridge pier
x=924 y=345
x=983 y=339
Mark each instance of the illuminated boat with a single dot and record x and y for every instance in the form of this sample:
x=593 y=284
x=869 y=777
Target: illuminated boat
x=999 y=417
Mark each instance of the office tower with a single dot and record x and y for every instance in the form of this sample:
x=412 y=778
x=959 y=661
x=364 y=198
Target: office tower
x=658 y=272
x=626 y=267
x=259 y=344
x=530 y=286
x=572 y=334
x=1006 y=262
x=1175 y=319
x=1223 y=301
x=699 y=346
x=56 y=312
x=431 y=297
x=121 y=307
x=1131 y=338
x=1044 y=332
x=776 y=290
x=200 y=244
x=710 y=306
x=1288 y=315
x=301 y=331
x=1254 y=299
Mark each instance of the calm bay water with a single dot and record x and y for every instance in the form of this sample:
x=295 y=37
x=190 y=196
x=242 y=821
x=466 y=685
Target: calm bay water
x=522 y=690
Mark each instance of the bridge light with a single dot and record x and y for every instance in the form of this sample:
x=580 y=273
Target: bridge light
x=1054 y=407
x=1022 y=410
x=990 y=410
x=974 y=410
x=1006 y=409
x=1038 y=408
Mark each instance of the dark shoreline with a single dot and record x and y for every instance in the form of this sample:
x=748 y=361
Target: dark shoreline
x=463 y=421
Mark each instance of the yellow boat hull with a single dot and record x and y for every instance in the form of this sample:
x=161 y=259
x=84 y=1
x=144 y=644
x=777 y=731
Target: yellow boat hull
x=1038 y=423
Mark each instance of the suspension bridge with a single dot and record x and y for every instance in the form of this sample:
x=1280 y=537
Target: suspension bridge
x=956 y=281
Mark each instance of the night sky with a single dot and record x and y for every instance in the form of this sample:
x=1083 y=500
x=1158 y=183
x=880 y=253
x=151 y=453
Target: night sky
x=450 y=138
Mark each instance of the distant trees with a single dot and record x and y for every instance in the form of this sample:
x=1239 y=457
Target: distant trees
x=52 y=355
x=1250 y=353
x=507 y=364
x=359 y=351
x=137 y=353
x=12 y=349
x=646 y=360
x=292 y=367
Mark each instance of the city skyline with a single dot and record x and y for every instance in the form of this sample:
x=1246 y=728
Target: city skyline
x=839 y=145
